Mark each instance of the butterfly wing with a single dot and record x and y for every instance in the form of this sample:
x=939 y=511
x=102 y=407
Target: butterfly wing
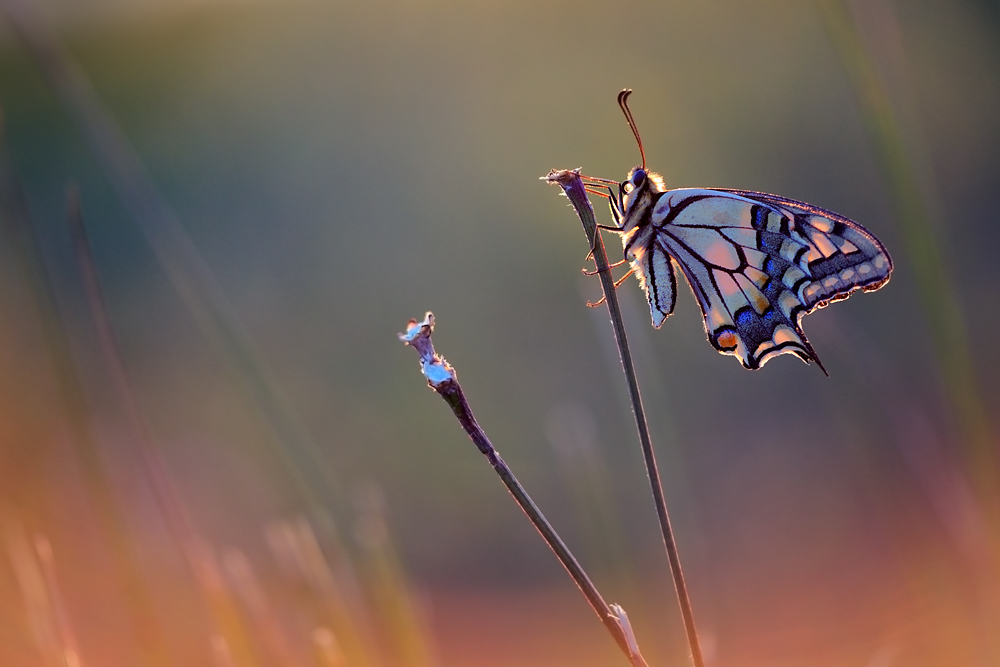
x=655 y=270
x=758 y=263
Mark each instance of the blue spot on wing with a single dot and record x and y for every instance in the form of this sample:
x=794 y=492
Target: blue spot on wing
x=753 y=330
x=770 y=243
x=775 y=267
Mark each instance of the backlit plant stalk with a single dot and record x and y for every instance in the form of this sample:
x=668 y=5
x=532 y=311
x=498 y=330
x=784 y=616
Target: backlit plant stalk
x=569 y=181
x=443 y=379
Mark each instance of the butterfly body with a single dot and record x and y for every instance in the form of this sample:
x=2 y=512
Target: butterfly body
x=757 y=263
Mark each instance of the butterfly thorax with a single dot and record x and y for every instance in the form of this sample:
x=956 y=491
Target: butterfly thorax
x=642 y=189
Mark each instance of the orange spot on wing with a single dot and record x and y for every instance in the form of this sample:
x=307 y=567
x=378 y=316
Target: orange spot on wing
x=727 y=340
x=722 y=253
x=727 y=286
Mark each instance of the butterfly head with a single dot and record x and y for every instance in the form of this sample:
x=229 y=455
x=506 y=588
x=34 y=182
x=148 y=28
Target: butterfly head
x=639 y=192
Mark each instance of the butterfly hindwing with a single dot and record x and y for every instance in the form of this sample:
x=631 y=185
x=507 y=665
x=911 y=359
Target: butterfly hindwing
x=757 y=264
x=655 y=271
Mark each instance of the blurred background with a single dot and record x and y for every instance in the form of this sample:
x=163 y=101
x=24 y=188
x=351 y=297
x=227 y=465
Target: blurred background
x=215 y=451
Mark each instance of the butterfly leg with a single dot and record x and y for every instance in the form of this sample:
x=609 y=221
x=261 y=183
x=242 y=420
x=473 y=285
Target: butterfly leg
x=598 y=271
x=593 y=248
x=617 y=285
x=614 y=201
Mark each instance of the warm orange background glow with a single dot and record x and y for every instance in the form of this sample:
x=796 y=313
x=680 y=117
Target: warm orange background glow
x=340 y=167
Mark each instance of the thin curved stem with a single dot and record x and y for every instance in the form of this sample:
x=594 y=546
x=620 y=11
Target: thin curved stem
x=442 y=378
x=573 y=186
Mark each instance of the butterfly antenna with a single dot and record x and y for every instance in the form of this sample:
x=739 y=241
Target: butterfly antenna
x=623 y=103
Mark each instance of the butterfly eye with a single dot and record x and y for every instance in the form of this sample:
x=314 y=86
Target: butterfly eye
x=638 y=177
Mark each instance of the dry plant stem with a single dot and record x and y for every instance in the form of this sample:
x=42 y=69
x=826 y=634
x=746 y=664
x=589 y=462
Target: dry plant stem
x=571 y=184
x=442 y=378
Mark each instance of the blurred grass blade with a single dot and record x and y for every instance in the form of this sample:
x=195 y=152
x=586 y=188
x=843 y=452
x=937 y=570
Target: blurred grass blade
x=297 y=452
x=923 y=247
x=938 y=291
x=67 y=638
x=888 y=410
x=251 y=593
x=297 y=550
x=328 y=652
x=31 y=582
x=572 y=434
x=197 y=554
x=221 y=655
x=17 y=227
x=391 y=591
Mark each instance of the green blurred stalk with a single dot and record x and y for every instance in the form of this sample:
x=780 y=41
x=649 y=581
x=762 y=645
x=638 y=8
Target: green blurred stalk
x=299 y=455
x=197 y=554
x=598 y=519
x=390 y=586
x=937 y=289
x=333 y=589
x=261 y=612
x=16 y=224
x=936 y=285
x=937 y=587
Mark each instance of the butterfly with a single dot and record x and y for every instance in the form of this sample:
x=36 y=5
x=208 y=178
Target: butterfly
x=757 y=263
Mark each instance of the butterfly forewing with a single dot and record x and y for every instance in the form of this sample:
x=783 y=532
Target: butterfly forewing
x=843 y=256
x=756 y=264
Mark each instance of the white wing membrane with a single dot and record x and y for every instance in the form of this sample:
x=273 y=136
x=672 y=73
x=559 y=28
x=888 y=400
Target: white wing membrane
x=654 y=269
x=757 y=263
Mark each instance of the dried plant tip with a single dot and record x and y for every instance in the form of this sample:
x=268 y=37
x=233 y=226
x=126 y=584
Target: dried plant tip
x=415 y=329
x=633 y=646
x=432 y=365
x=561 y=176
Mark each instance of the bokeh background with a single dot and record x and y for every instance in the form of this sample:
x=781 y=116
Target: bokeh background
x=244 y=467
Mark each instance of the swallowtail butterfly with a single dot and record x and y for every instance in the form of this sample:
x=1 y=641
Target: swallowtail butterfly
x=757 y=263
